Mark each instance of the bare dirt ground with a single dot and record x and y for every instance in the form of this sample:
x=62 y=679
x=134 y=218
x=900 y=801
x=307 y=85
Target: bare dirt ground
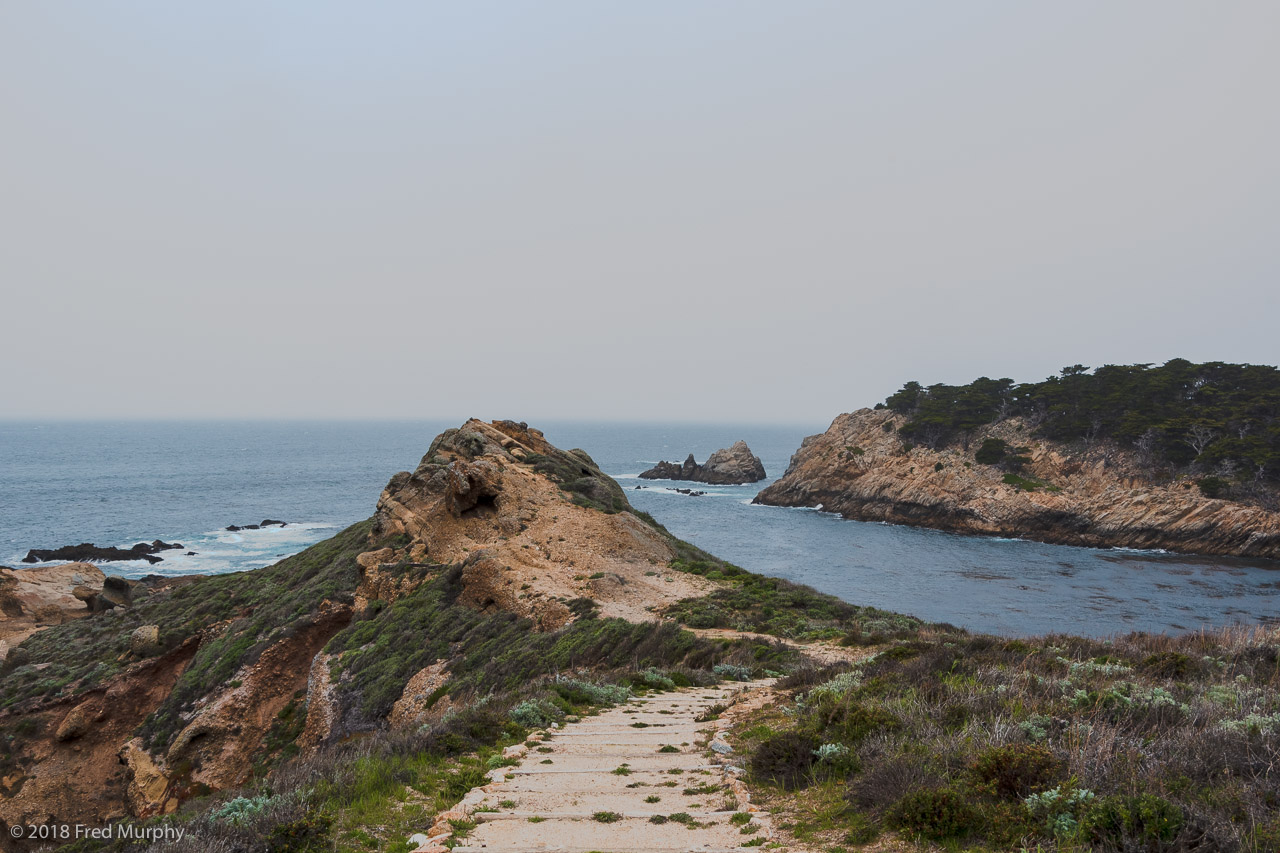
x=822 y=651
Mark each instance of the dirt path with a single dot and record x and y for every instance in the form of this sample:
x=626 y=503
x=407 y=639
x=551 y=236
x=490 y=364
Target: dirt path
x=645 y=776
x=822 y=651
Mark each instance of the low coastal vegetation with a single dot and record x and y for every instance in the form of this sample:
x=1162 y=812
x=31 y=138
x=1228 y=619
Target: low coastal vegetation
x=765 y=605
x=1145 y=743
x=1215 y=419
x=257 y=608
x=500 y=654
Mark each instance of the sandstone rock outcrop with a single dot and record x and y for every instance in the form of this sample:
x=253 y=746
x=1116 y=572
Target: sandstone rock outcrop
x=148 y=787
x=731 y=465
x=219 y=741
x=33 y=598
x=1096 y=497
x=145 y=641
x=420 y=703
x=523 y=519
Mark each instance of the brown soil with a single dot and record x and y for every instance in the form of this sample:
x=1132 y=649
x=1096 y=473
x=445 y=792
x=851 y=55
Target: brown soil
x=80 y=779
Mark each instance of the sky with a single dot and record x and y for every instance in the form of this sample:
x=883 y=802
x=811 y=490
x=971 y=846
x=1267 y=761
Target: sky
x=665 y=211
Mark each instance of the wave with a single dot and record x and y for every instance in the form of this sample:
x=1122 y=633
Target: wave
x=215 y=551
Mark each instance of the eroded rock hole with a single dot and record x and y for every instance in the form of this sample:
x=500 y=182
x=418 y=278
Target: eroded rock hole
x=485 y=505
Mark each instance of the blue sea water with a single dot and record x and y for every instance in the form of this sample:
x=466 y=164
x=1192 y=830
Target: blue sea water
x=121 y=483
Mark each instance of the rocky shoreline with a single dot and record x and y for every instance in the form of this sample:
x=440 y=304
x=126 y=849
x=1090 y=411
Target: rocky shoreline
x=729 y=466
x=1094 y=497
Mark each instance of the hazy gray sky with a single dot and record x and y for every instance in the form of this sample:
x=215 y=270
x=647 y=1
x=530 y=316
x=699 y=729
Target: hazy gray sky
x=705 y=211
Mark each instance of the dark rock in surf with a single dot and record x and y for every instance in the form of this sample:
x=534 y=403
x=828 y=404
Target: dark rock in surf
x=86 y=552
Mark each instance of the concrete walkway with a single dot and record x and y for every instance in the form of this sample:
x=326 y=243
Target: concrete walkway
x=645 y=776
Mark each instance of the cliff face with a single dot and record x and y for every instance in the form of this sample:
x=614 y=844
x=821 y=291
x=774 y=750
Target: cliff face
x=860 y=468
x=728 y=466
x=525 y=520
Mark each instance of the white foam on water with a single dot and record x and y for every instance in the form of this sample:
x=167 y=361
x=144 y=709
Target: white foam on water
x=216 y=551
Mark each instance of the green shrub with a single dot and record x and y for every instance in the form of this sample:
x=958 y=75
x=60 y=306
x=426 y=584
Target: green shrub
x=859 y=830
x=938 y=814
x=306 y=834
x=1213 y=487
x=590 y=693
x=785 y=759
x=1023 y=483
x=733 y=672
x=1016 y=770
x=240 y=809
x=991 y=451
x=1141 y=822
x=852 y=722
x=533 y=714
x=1170 y=665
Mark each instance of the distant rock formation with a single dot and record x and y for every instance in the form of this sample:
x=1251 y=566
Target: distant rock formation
x=729 y=466
x=266 y=522
x=86 y=552
x=1069 y=495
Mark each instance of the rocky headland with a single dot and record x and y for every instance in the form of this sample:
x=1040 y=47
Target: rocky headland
x=729 y=466
x=1096 y=495
x=127 y=698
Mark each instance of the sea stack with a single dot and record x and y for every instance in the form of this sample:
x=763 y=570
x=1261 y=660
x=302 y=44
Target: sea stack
x=729 y=466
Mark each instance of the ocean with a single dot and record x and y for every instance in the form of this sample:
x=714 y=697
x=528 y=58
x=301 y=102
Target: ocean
x=117 y=483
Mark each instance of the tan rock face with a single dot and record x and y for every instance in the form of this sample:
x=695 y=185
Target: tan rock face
x=33 y=598
x=511 y=509
x=322 y=704
x=148 y=789
x=216 y=748
x=859 y=468
x=419 y=705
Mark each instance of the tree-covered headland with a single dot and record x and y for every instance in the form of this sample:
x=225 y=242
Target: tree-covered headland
x=1218 y=420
